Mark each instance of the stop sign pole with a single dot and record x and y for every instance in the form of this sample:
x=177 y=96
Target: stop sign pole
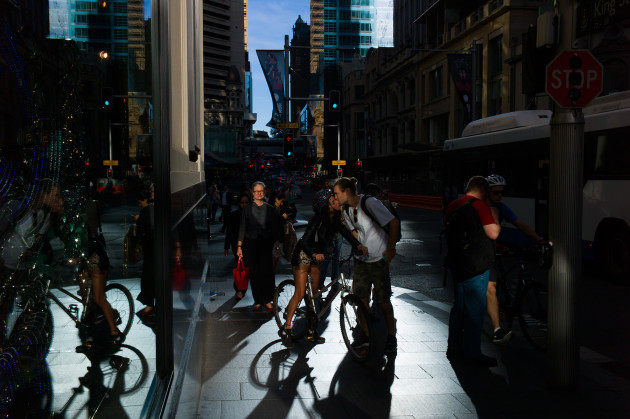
x=574 y=78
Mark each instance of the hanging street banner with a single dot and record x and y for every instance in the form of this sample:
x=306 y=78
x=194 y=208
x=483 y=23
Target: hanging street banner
x=460 y=66
x=272 y=63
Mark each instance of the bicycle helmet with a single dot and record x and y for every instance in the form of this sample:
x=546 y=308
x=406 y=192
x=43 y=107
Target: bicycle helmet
x=496 y=180
x=321 y=200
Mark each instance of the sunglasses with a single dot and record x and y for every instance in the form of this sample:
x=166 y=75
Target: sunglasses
x=497 y=192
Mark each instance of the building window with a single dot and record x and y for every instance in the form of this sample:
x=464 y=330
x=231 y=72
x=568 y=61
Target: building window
x=359 y=120
x=330 y=14
x=495 y=56
x=495 y=74
x=358 y=92
x=120 y=34
x=436 y=83
x=496 y=95
x=330 y=39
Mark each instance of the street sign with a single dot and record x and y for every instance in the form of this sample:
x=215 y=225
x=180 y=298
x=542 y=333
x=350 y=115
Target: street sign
x=574 y=78
x=110 y=162
x=338 y=162
x=287 y=125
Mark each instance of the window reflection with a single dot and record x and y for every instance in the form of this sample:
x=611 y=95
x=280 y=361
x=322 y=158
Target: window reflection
x=76 y=128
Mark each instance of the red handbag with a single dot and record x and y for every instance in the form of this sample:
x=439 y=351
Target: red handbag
x=241 y=275
x=179 y=275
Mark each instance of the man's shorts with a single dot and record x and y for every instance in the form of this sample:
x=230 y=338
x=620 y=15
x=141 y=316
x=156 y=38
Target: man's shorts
x=368 y=275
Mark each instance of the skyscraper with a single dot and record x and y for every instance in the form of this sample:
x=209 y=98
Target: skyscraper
x=353 y=27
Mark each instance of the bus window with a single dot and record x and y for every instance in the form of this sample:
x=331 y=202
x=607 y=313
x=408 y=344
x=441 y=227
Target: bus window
x=613 y=154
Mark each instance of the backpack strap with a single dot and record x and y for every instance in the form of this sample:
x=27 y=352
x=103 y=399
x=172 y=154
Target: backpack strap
x=365 y=209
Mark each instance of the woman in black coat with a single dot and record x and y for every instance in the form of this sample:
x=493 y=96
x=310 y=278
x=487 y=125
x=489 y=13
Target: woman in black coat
x=231 y=233
x=312 y=248
x=257 y=234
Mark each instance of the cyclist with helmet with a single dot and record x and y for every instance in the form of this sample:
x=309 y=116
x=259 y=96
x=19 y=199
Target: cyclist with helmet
x=311 y=250
x=497 y=186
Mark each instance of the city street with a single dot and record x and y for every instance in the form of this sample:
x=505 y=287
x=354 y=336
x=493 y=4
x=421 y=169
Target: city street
x=238 y=368
x=231 y=341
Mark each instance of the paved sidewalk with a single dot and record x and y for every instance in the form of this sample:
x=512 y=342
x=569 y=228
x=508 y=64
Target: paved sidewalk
x=238 y=368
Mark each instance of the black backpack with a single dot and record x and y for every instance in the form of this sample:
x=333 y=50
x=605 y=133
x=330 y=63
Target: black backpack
x=387 y=205
x=470 y=250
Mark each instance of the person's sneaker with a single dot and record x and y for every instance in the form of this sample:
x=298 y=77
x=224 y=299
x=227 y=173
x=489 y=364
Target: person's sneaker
x=391 y=347
x=285 y=335
x=313 y=337
x=361 y=342
x=500 y=335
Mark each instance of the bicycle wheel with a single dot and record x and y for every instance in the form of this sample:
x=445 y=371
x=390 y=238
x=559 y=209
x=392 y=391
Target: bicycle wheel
x=356 y=327
x=282 y=296
x=533 y=314
x=121 y=301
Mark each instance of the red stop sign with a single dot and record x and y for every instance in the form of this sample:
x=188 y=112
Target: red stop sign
x=574 y=78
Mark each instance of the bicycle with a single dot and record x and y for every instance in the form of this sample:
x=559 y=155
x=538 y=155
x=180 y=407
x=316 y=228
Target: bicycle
x=91 y=322
x=522 y=297
x=354 y=317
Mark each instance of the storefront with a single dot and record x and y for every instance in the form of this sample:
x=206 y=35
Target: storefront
x=101 y=178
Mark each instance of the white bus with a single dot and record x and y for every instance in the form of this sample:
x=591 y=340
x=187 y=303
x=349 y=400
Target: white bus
x=516 y=146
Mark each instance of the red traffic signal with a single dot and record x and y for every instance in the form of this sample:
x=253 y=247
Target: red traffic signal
x=359 y=164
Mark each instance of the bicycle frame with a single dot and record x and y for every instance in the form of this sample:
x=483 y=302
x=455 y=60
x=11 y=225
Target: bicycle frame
x=86 y=293
x=503 y=279
x=311 y=297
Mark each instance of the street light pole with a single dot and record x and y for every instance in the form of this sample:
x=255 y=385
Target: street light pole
x=287 y=117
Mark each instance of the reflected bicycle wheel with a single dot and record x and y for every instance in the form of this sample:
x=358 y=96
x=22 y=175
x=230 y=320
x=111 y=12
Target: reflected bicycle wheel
x=282 y=297
x=121 y=301
x=356 y=327
x=533 y=319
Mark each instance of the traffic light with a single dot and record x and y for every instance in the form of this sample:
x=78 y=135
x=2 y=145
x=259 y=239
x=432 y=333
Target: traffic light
x=110 y=174
x=288 y=145
x=334 y=100
x=107 y=97
x=339 y=172
x=359 y=165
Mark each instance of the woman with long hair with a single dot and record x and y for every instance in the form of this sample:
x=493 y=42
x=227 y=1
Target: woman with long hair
x=313 y=247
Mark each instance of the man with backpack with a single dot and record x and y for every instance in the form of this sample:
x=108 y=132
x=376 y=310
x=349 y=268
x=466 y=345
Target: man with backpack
x=470 y=228
x=377 y=229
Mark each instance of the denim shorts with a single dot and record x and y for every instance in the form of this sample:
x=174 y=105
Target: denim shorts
x=372 y=275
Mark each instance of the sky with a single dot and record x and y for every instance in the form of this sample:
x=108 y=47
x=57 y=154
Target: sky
x=269 y=21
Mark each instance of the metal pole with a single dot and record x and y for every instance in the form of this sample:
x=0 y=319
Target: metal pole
x=109 y=138
x=287 y=117
x=473 y=94
x=338 y=145
x=565 y=232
